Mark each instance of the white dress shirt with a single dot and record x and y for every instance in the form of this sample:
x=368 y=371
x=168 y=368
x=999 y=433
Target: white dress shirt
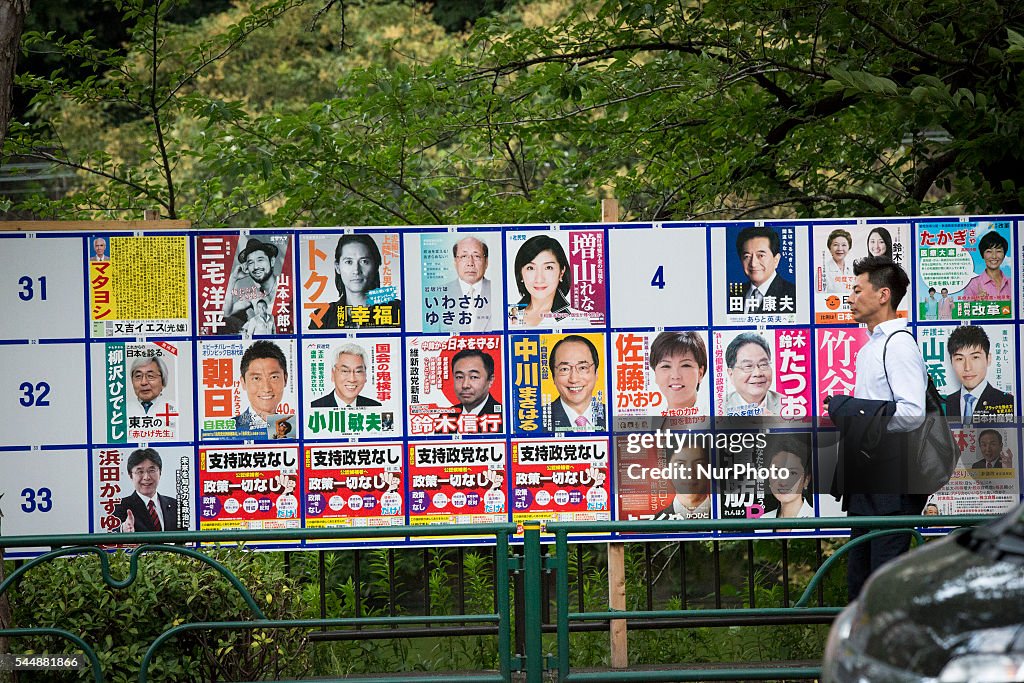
x=907 y=374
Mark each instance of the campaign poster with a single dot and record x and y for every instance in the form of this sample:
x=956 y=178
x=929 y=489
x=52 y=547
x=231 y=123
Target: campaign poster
x=259 y=405
x=662 y=375
x=558 y=383
x=985 y=479
x=459 y=281
x=974 y=369
x=456 y=385
x=836 y=248
x=349 y=485
x=141 y=287
x=562 y=481
x=353 y=387
x=457 y=483
x=249 y=487
x=556 y=278
x=761 y=274
x=660 y=276
x=138 y=383
x=764 y=373
x=245 y=284
x=965 y=270
x=351 y=281
x=126 y=479
x=836 y=371
x=772 y=480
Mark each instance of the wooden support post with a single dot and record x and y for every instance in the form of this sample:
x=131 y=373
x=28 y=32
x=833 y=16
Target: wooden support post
x=151 y=214
x=616 y=551
x=610 y=210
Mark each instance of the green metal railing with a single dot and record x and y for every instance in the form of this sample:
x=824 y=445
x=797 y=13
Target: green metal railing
x=533 y=564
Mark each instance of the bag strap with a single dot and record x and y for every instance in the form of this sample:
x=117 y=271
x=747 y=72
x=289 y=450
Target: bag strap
x=885 y=349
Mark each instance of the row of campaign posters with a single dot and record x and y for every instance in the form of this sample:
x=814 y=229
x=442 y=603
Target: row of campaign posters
x=318 y=378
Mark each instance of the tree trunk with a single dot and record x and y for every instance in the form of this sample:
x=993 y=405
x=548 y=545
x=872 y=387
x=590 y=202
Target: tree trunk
x=12 y=21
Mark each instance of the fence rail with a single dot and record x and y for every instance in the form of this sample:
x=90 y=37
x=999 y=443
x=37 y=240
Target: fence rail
x=546 y=558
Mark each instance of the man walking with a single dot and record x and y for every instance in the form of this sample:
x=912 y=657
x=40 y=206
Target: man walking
x=874 y=483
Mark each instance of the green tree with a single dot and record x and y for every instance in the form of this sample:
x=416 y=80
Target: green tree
x=718 y=109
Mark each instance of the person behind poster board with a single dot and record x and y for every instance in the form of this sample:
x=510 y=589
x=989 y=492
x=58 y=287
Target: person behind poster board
x=99 y=248
x=789 y=496
x=993 y=455
x=838 y=271
x=145 y=509
x=930 y=306
x=149 y=380
x=968 y=347
x=945 y=305
x=544 y=280
x=880 y=243
x=472 y=378
x=253 y=279
x=692 y=498
x=264 y=372
x=679 y=361
x=282 y=427
x=748 y=363
x=992 y=284
x=357 y=263
x=767 y=291
x=872 y=482
x=574 y=365
x=261 y=321
x=471 y=290
x=348 y=372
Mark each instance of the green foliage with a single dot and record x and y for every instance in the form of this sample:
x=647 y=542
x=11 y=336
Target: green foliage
x=169 y=590
x=716 y=109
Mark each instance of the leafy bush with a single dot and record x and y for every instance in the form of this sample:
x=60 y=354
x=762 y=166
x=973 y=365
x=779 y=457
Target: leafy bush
x=169 y=590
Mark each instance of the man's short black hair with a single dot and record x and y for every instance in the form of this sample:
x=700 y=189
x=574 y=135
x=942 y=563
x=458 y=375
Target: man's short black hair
x=747 y=234
x=966 y=336
x=573 y=338
x=882 y=272
x=264 y=348
x=475 y=353
x=284 y=423
x=141 y=455
x=993 y=239
x=991 y=431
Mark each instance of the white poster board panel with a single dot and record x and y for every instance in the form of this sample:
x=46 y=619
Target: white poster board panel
x=44 y=492
x=658 y=277
x=41 y=394
x=43 y=288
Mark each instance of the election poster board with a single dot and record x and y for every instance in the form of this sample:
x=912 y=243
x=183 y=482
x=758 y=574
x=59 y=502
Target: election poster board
x=563 y=481
x=457 y=483
x=250 y=487
x=116 y=341
x=965 y=270
x=354 y=485
x=837 y=248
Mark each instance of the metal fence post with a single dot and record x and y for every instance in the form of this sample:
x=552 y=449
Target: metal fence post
x=532 y=606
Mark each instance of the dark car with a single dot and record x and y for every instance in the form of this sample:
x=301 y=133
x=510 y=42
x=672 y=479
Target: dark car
x=949 y=612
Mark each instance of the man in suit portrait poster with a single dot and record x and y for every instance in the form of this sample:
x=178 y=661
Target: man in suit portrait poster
x=471 y=290
x=145 y=509
x=574 y=365
x=968 y=349
x=767 y=291
x=348 y=372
